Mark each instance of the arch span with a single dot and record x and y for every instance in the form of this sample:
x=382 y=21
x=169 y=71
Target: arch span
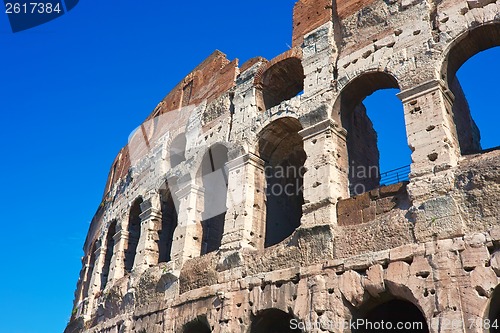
x=459 y=52
x=280 y=79
x=282 y=149
x=134 y=233
x=214 y=179
x=199 y=325
x=273 y=320
x=367 y=137
x=390 y=315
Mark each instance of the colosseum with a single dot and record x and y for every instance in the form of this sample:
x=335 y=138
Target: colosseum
x=190 y=237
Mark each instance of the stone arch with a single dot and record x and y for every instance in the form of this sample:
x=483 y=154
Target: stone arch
x=273 y=320
x=390 y=314
x=177 y=150
x=469 y=43
x=169 y=220
x=459 y=51
x=361 y=141
x=213 y=177
x=281 y=148
x=280 y=79
x=108 y=255
x=199 y=325
x=493 y=311
x=134 y=233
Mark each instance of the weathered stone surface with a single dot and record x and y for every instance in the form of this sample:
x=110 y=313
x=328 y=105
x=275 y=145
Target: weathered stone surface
x=157 y=260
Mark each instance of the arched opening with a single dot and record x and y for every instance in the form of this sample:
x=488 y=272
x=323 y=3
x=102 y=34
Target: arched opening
x=391 y=316
x=494 y=311
x=90 y=270
x=282 y=149
x=471 y=70
x=214 y=179
x=168 y=225
x=134 y=233
x=199 y=325
x=282 y=81
x=274 y=321
x=377 y=145
x=178 y=150
x=110 y=245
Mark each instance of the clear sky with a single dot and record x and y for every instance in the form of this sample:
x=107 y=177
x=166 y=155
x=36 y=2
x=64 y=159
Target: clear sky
x=73 y=89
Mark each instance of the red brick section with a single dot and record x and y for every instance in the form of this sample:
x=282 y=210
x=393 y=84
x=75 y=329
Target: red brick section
x=365 y=207
x=346 y=8
x=213 y=77
x=251 y=62
x=309 y=15
x=296 y=52
x=122 y=162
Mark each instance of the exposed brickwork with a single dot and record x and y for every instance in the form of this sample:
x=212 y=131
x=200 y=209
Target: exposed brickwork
x=309 y=15
x=366 y=207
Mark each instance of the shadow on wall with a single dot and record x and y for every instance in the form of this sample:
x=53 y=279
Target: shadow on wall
x=390 y=315
x=273 y=320
x=282 y=149
x=214 y=181
x=134 y=233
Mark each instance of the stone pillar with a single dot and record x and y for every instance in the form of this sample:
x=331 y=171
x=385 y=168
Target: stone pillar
x=95 y=280
x=147 y=248
x=187 y=236
x=432 y=138
x=244 y=226
x=117 y=266
x=430 y=128
x=318 y=59
x=81 y=303
x=326 y=178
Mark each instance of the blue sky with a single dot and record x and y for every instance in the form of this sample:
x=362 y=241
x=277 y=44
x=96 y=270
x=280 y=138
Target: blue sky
x=71 y=92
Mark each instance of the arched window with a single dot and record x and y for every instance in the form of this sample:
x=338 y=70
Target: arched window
x=199 y=325
x=282 y=149
x=90 y=270
x=282 y=81
x=377 y=148
x=214 y=179
x=110 y=244
x=272 y=321
x=471 y=70
x=178 y=150
x=168 y=225
x=134 y=233
x=392 y=316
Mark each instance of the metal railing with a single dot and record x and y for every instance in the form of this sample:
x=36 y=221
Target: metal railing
x=395 y=176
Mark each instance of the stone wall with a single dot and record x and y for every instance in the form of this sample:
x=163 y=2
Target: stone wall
x=431 y=244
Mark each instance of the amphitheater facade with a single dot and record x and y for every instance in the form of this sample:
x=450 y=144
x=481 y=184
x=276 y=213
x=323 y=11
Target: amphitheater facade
x=190 y=237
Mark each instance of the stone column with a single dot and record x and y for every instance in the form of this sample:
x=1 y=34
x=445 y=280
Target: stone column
x=187 y=236
x=147 y=248
x=430 y=128
x=117 y=266
x=244 y=226
x=83 y=291
x=95 y=280
x=432 y=138
x=326 y=178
